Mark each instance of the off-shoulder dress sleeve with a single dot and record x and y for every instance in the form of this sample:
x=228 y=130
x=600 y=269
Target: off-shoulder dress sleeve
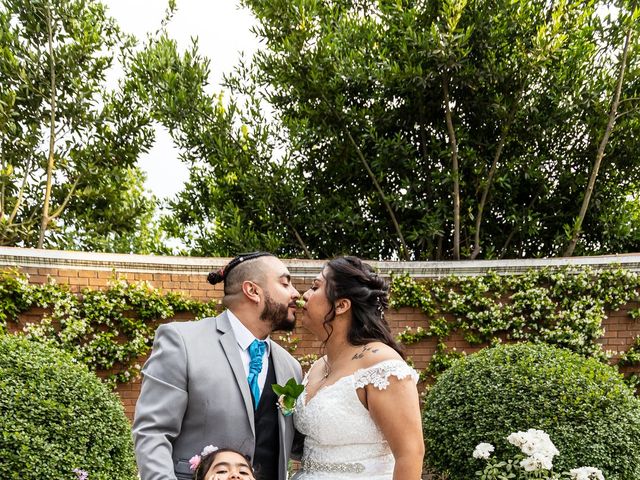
x=378 y=374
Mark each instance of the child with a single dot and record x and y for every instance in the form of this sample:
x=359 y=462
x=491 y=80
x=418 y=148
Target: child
x=221 y=464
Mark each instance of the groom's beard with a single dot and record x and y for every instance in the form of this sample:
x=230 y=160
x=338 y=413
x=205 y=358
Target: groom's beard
x=277 y=314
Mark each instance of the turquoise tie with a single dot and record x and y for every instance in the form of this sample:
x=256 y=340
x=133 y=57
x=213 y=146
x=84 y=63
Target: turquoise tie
x=256 y=350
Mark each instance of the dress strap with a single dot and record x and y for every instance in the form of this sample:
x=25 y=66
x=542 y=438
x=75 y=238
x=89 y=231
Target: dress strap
x=378 y=374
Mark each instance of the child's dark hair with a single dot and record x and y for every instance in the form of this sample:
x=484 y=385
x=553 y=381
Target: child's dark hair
x=207 y=460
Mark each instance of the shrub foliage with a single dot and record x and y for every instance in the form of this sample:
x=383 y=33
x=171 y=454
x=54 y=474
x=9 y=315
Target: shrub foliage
x=592 y=416
x=56 y=416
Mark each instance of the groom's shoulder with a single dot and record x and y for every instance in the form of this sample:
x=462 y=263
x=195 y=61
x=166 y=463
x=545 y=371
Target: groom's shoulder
x=190 y=327
x=282 y=352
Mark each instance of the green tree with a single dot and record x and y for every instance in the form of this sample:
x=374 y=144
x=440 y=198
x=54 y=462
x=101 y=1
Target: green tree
x=613 y=114
x=449 y=129
x=68 y=145
x=239 y=196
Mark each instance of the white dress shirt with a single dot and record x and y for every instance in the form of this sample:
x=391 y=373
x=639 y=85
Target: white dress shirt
x=244 y=338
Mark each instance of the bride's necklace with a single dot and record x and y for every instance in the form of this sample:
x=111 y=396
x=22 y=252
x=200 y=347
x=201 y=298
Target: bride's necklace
x=326 y=368
x=326 y=371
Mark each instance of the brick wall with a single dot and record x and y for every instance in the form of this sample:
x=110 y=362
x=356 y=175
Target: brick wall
x=188 y=275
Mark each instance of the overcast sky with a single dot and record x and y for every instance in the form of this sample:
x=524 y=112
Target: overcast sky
x=223 y=30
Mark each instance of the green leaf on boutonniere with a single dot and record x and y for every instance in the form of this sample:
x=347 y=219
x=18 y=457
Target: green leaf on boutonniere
x=287 y=395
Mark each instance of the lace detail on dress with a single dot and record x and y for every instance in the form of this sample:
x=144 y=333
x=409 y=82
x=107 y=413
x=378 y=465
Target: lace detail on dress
x=378 y=375
x=342 y=442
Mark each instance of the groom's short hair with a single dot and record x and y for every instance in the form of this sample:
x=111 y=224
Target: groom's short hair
x=246 y=266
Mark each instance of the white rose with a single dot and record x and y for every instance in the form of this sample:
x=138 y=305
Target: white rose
x=529 y=464
x=483 y=451
x=516 y=439
x=535 y=462
x=586 y=473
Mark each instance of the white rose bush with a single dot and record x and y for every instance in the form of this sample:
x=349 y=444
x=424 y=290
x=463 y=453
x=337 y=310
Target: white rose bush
x=583 y=405
x=535 y=460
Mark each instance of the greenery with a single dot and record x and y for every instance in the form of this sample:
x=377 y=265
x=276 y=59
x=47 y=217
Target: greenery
x=631 y=356
x=56 y=416
x=564 y=307
x=238 y=195
x=592 y=416
x=453 y=129
x=108 y=330
x=69 y=145
x=446 y=129
x=395 y=129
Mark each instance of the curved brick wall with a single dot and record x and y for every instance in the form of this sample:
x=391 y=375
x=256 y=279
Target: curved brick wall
x=188 y=274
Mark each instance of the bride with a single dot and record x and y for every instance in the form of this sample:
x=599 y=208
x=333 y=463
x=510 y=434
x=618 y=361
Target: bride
x=359 y=411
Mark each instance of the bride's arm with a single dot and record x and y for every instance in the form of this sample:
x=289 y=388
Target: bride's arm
x=396 y=411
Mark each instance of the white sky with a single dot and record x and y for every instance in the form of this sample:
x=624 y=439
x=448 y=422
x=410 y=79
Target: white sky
x=223 y=30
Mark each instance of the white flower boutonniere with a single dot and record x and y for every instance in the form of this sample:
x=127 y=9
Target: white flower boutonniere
x=287 y=396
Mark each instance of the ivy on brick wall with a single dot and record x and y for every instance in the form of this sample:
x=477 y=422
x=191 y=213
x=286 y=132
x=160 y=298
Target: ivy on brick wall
x=564 y=307
x=106 y=329
x=111 y=329
x=290 y=343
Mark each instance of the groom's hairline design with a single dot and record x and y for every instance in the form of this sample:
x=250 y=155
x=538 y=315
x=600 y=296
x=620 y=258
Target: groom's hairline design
x=252 y=268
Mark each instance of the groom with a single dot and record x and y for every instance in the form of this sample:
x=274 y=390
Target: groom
x=208 y=382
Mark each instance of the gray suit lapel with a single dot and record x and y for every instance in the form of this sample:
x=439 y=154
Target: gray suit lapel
x=283 y=374
x=230 y=346
x=279 y=363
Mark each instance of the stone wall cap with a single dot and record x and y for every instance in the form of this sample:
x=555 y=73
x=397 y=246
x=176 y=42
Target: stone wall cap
x=31 y=257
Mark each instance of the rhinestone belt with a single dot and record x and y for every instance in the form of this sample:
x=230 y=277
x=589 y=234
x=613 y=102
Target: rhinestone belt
x=313 y=466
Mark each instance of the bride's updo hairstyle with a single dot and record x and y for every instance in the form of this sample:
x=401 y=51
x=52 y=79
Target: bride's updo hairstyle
x=349 y=277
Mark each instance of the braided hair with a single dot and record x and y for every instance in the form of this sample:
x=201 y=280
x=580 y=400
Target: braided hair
x=351 y=278
x=231 y=275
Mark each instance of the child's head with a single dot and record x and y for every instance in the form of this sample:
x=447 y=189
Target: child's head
x=224 y=464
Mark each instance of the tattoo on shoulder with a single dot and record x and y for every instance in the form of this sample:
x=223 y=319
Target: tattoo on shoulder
x=365 y=349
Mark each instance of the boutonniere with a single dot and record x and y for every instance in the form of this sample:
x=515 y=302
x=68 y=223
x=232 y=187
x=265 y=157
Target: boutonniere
x=287 y=396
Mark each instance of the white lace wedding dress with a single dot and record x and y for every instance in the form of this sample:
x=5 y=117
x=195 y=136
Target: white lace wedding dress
x=342 y=441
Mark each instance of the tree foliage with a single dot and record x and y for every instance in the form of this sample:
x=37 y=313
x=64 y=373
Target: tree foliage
x=418 y=123
x=68 y=144
x=409 y=129
x=239 y=195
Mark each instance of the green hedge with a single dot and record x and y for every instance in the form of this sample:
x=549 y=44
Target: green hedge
x=56 y=416
x=591 y=415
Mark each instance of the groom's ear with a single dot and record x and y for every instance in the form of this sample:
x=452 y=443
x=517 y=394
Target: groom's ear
x=250 y=291
x=342 y=306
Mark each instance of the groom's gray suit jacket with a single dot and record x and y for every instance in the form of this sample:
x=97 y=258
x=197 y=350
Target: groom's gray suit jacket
x=195 y=393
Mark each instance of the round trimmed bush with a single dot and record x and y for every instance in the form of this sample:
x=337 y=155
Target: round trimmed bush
x=591 y=415
x=56 y=416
